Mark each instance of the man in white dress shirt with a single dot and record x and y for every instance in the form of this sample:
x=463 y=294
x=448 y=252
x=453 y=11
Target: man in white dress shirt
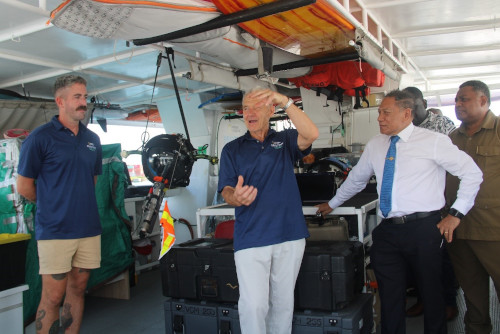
x=426 y=119
x=412 y=231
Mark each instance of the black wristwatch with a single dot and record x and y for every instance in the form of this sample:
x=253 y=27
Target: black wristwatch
x=456 y=213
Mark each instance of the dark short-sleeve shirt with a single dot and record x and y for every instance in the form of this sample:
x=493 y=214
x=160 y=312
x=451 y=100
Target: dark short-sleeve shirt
x=64 y=166
x=276 y=214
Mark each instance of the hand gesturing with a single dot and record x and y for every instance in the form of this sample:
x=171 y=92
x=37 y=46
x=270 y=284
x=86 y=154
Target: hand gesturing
x=244 y=194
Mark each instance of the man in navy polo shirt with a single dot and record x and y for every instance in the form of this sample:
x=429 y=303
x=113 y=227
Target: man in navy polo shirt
x=256 y=176
x=58 y=169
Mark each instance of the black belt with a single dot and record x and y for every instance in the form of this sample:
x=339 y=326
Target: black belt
x=409 y=218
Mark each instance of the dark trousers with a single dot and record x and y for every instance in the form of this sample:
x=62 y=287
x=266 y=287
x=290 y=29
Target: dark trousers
x=449 y=280
x=416 y=244
x=475 y=261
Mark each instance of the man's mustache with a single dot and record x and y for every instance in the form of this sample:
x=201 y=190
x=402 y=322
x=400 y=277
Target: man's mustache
x=84 y=108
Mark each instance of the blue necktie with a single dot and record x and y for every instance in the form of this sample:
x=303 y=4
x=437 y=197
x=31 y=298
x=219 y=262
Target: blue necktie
x=388 y=177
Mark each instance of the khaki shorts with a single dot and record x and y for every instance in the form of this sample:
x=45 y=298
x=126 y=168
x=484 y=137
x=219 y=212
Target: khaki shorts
x=59 y=256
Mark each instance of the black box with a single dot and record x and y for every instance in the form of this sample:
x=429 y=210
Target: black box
x=331 y=275
x=201 y=269
x=355 y=318
x=13 y=260
x=190 y=317
x=228 y=319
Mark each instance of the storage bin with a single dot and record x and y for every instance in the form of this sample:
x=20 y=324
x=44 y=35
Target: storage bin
x=11 y=310
x=13 y=259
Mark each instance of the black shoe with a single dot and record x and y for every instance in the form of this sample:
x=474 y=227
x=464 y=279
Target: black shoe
x=415 y=310
x=451 y=312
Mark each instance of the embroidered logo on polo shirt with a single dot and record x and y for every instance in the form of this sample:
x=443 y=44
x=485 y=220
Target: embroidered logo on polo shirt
x=91 y=146
x=277 y=145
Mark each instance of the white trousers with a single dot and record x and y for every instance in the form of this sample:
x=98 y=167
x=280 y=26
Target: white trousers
x=266 y=279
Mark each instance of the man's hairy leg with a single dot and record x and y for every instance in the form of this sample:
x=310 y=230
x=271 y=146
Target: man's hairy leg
x=72 y=312
x=47 y=315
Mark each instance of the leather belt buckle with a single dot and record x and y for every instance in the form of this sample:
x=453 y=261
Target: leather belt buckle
x=398 y=220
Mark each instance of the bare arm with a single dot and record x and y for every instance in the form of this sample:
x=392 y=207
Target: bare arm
x=26 y=187
x=308 y=132
x=240 y=194
x=95 y=180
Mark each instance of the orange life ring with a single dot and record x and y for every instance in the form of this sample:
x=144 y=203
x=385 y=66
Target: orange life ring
x=16 y=133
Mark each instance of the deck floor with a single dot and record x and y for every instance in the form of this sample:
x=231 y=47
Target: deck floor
x=143 y=313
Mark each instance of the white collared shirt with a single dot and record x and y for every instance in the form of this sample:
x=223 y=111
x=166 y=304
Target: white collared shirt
x=423 y=157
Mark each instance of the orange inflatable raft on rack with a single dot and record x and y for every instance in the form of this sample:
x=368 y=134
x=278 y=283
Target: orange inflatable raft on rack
x=311 y=31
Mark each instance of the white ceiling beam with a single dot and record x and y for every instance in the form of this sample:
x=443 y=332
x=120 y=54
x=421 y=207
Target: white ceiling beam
x=346 y=5
x=30 y=59
x=125 y=78
x=42 y=75
x=132 y=81
x=161 y=47
x=111 y=75
x=458 y=66
x=41 y=9
x=136 y=51
x=349 y=17
x=16 y=33
x=453 y=91
x=40 y=24
x=450 y=29
x=403 y=59
x=459 y=77
x=58 y=68
x=438 y=100
x=111 y=89
x=392 y=3
x=489 y=47
x=42 y=4
x=165 y=77
x=166 y=97
x=364 y=18
x=125 y=122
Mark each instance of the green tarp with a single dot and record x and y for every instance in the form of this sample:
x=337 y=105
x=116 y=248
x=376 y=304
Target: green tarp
x=10 y=205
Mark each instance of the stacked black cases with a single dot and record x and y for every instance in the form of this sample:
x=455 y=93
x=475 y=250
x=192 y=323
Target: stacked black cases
x=331 y=275
x=355 y=318
x=201 y=317
x=201 y=269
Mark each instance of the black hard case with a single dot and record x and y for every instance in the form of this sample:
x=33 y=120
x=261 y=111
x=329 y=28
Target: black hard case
x=331 y=275
x=190 y=317
x=196 y=317
x=355 y=318
x=201 y=269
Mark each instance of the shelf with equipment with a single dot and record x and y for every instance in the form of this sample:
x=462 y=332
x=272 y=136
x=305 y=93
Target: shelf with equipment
x=361 y=205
